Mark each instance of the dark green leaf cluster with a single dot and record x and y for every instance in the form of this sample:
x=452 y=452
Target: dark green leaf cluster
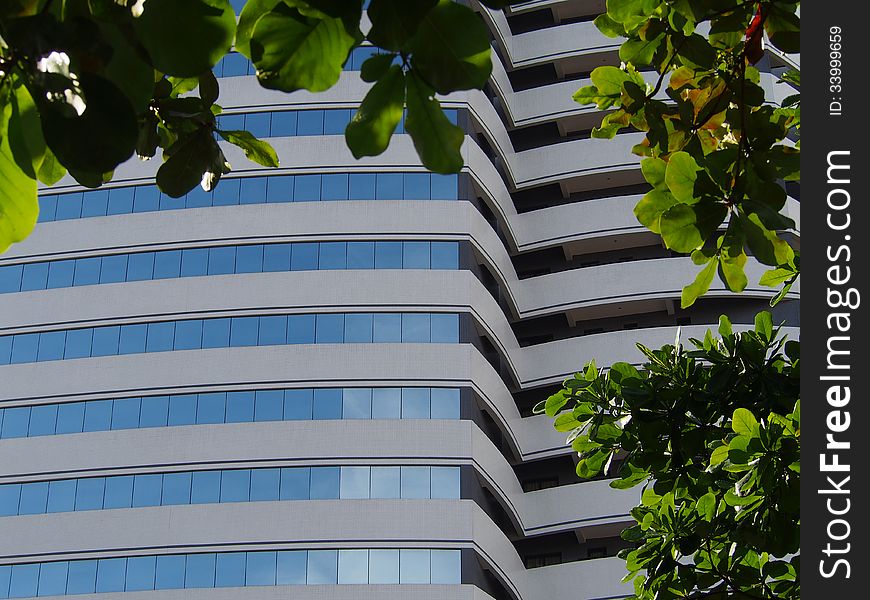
x=716 y=153
x=714 y=435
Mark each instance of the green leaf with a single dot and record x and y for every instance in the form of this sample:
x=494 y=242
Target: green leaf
x=189 y=161
x=394 y=22
x=566 y=422
x=732 y=273
x=555 y=403
x=375 y=67
x=368 y=134
x=706 y=506
x=293 y=51
x=127 y=69
x=609 y=27
x=186 y=38
x=725 y=328
x=764 y=325
x=18 y=205
x=743 y=422
x=251 y=13
x=209 y=90
x=640 y=52
x=436 y=139
x=50 y=171
x=685 y=228
x=698 y=287
x=26 y=141
x=256 y=150
x=654 y=170
x=450 y=50
x=680 y=176
x=651 y=207
x=776 y=277
x=765 y=245
x=718 y=455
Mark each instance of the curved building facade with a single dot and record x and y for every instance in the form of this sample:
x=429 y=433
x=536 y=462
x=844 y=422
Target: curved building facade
x=317 y=381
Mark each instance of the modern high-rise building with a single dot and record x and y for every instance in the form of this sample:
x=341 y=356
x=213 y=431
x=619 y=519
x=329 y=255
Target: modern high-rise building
x=316 y=381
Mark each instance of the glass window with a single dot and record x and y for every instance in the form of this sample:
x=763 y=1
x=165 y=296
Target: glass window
x=188 y=335
x=358 y=328
x=140 y=267
x=260 y=568
x=24 y=347
x=89 y=493
x=415 y=255
x=335 y=120
x=105 y=341
x=388 y=327
x=70 y=418
x=211 y=408
x=309 y=122
x=232 y=122
x=146 y=199
x=215 y=333
x=334 y=186
x=446 y=566
x=176 y=488
x=146 y=490
x=322 y=566
x=272 y=330
x=24 y=581
x=69 y=206
x=249 y=259
x=304 y=256
x=445 y=403
x=415 y=482
x=194 y=261
x=227 y=193
x=329 y=329
x=167 y=264
x=10 y=495
x=235 y=65
x=10 y=278
x=333 y=255
x=182 y=409
x=360 y=255
x=154 y=412
x=445 y=328
x=327 y=403
x=389 y=186
x=119 y=492
x=199 y=571
x=60 y=274
x=265 y=484
x=298 y=405
x=269 y=405
x=388 y=255
x=61 y=495
x=5 y=349
x=113 y=269
x=291 y=567
x=47 y=212
x=198 y=198
x=15 y=422
x=259 y=124
x=98 y=415
x=35 y=277
x=120 y=201
x=413 y=566
x=236 y=485
x=386 y=403
x=140 y=573
x=362 y=186
x=445 y=255
x=306 y=188
x=416 y=186
x=383 y=566
x=125 y=413
x=415 y=403
x=42 y=420
x=276 y=257
x=357 y=403
x=300 y=329
x=160 y=337
x=445 y=482
x=284 y=123
x=253 y=190
x=415 y=327
x=230 y=569
x=353 y=566
x=324 y=483
x=169 y=203
x=385 y=482
x=295 y=483
x=170 y=572
x=82 y=577
x=111 y=573
x=206 y=487
x=221 y=261
x=52 y=578
x=354 y=482
x=243 y=331
x=132 y=339
x=240 y=407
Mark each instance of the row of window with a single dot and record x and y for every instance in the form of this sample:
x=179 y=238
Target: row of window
x=237 y=65
x=196 y=334
x=222 y=260
x=230 y=407
x=231 y=569
x=234 y=485
x=288 y=123
x=251 y=190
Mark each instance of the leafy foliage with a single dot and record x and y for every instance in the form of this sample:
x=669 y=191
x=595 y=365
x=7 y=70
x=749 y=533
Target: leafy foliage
x=713 y=434
x=715 y=151
x=101 y=80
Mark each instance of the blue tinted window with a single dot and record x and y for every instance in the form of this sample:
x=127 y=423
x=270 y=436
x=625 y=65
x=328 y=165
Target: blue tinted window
x=322 y=566
x=170 y=203
x=309 y=122
x=227 y=193
x=276 y=257
x=35 y=277
x=89 y=493
x=146 y=490
x=333 y=255
x=24 y=581
x=304 y=256
x=415 y=403
x=388 y=255
x=357 y=403
x=154 y=412
x=232 y=121
x=221 y=261
x=160 y=337
x=445 y=403
x=354 y=482
x=52 y=578
x=105 y=341
x=291 y=567
x=446 y=566
x=260 y=568
x=60 y=274
x=206 y=487
x=146 y=199
x=5 y=349
x=284 y=123
x=176 y=488
x=199 y=571
x=415 y=255
x=362 y=186
x=132 y=339
x=353 y=566
x=415 y=482
x=69 y=206
x=334 y=186
x=445 y=328
x=167 y=264
x=197 y=198
x=82 y=577
x=140 y=267
x=9 y=497
x=259 y=124
x=194 y=261
x=111 y=573
x=272 y=330
x=265 y=484
x=140 y=573
x=306 y=188
x=120 y=201
x=300 y=329
x=253 y=190
x=15 y=422
x=47 y=211
x=119 y=492
x=243 y=331
x=329 y=329
x=298 y=405
x=216 y=333
x=386 y=403
x=235 y=65
x=358 y=328
x=295 y=483
x=360 y=255
x=413 y=566
x=327 y=403
x=170 y=572
x=445 y=482
x=415 y=327
x=61 y=496
x=125 y=413
x=416 y=186
x=24 y=347
x=269 y=405
x=324 y=482
x=383 y=566
x=445 y=255
x=182 y=409
x=188 y=335
x=334 y=121
x=42 y=420
x=98 y=415
x=211 y=408
x=113 y=269
x=10 y=278
x=230 y=569
x=388 y=327
x=389 y=186
x=51 y=344
x=240 y=407
x=249 y=259
x=70 y=417
x=235 y=485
